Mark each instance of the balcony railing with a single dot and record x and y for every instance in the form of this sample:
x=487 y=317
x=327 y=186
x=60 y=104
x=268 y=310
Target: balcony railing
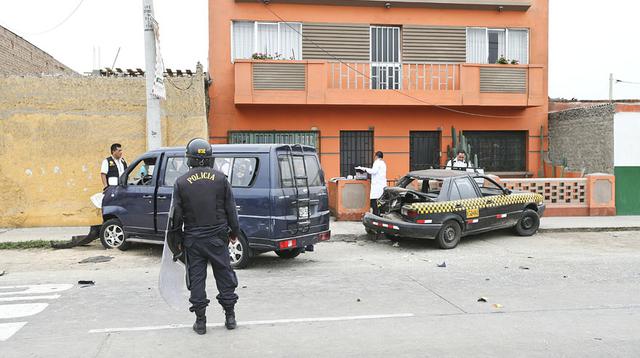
x=408 y=75
x=362 y=83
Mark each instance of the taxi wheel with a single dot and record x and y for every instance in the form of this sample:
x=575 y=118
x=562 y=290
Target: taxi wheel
x=449 y=235
x=239 y=252
x=112 y=235
x=289 y=254
x=528 y=224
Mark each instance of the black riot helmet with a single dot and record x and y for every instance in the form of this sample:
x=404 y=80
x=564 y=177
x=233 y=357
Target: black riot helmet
x=199 y=153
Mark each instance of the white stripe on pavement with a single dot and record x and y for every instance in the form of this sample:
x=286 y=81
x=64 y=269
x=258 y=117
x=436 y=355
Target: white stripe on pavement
x=29 y=298
x=21 y=310
x=9 y=329
x=255 y=323
x=33 y=289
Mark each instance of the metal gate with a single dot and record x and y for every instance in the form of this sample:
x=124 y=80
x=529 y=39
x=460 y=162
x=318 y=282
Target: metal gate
x=275 y=137
x=356 y=149
x=424 y=151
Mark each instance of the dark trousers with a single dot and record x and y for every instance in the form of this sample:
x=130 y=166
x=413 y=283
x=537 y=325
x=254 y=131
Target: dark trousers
x=201 y=252
x=374 y=207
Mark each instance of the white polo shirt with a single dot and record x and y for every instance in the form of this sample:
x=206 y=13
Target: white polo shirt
x=105 y=169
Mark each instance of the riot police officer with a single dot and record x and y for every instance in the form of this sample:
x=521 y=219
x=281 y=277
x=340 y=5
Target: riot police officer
x=203 y=206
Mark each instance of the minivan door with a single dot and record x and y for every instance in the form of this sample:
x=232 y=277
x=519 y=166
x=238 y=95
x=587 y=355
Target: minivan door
x=173 y=167
x=137 y=196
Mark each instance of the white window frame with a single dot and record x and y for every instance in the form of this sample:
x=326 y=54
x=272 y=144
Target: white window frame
x=255 y=35
x=506 y=39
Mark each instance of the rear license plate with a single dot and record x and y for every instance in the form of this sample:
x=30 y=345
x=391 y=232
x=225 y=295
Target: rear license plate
x=303 y=213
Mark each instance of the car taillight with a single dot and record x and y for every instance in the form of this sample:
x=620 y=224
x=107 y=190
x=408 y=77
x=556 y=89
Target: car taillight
x=287 y=244
x=412 y=214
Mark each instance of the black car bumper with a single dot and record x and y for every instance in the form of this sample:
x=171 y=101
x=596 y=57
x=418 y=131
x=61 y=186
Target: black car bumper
x=300 y=241
x=541 y=208
x=400 y=228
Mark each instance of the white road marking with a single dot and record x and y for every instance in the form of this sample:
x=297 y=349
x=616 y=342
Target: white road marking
x=9 y=329
x=33 y=289
x=255 y=323
x=21 y=310
x=29 y=298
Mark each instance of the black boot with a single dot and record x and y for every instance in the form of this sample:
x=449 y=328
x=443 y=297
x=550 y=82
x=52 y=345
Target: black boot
x=201 y=322
x=230 y=318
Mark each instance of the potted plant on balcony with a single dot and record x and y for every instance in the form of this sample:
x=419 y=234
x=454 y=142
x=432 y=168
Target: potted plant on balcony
x=266 y=56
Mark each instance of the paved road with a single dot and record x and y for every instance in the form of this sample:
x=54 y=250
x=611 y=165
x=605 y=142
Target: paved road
x=572 y=295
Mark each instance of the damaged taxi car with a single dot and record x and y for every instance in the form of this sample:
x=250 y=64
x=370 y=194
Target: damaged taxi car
x=446 y=205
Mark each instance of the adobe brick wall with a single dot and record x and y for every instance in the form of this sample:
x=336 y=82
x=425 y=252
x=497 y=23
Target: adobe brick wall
x=19 y=57
x=584 y=137
x=55 y=131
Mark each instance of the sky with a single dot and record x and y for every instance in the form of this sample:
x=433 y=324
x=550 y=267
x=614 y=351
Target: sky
x=588 y=39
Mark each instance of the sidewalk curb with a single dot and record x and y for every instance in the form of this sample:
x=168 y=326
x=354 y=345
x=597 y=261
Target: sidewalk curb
x=590 y=229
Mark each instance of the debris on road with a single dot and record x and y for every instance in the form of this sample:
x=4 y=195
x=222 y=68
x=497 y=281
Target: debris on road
x=86 y=283
x=443 y=264
x=523 y=268
x=497 y=305
x=487 y=279
x=482 y=299
x=396 y=244
x=358 y=300
x=96 y=259
x=2 y=273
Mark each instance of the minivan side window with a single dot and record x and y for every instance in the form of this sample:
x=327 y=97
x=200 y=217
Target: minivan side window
x=286 y=175
x=244 y=171
x=313 y=170
x=240 y=172
x=142 y=173
x=176 y=167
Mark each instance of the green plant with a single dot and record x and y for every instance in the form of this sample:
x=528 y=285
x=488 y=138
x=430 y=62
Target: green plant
x=515 y=62
x=502 y=60
x=459 y=142
x=265 y=56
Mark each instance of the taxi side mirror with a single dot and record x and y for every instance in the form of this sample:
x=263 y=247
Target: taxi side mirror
x=507 y=191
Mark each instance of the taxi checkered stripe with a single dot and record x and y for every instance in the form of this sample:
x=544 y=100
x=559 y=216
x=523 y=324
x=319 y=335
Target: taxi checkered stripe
x=477 y=203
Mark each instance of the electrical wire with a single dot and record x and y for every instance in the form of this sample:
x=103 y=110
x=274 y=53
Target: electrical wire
x=177 y=87
x=628 y=82
x=266 y=5
x=59 y=24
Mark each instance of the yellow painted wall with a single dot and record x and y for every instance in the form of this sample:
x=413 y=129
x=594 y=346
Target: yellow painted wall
x=55 y=132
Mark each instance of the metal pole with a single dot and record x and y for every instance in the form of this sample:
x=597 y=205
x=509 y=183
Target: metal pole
x=610 y=87
x=154 y=129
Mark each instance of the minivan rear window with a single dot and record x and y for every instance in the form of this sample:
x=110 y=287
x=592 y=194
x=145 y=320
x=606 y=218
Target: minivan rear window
x=286 y=174
x=240 y=171
x=313 y=170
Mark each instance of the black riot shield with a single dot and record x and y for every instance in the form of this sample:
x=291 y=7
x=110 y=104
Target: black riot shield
x=174 y=278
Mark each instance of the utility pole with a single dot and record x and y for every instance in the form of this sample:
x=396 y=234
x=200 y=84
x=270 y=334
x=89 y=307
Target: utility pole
x=154 y=129
x=611 y=88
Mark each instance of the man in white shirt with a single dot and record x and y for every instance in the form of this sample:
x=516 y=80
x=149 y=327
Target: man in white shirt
x=113 y=166
x=459 y=162
x=378 y=180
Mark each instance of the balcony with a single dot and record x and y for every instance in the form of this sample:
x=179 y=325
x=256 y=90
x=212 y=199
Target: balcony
x=408 y=84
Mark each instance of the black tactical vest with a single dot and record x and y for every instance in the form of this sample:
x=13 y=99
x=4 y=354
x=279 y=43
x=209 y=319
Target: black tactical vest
x=112 y=170
x=202 y=194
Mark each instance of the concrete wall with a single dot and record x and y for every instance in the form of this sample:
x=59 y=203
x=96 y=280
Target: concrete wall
x=19 y=57
x=584 y=137
x=54 y=133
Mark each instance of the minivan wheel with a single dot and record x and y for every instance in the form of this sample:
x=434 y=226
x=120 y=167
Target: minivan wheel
x=289 y=254
x=112 y=235
x=449 y=235
x=239 y=252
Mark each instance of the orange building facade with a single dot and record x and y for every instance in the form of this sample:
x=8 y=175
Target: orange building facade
x=356 y=76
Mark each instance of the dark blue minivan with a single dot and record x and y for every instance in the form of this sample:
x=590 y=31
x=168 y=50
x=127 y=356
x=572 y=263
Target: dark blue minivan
x=279 y=190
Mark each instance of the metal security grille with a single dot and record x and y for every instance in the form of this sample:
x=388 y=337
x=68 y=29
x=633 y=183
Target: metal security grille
x=275 y=137
x=356 y=149
x=499 y=151
x=424 y=150
x=386 y=69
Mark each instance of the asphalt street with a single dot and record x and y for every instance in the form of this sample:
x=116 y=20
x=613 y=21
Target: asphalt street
x=551 y=295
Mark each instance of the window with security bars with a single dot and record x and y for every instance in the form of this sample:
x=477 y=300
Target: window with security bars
x=309 y=138
x=499 y=151
x=386 y=68
x=356 y=149
x=424 y=150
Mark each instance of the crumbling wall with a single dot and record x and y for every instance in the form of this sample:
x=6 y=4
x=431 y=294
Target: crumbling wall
x=583 y=137
x=55 y=131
